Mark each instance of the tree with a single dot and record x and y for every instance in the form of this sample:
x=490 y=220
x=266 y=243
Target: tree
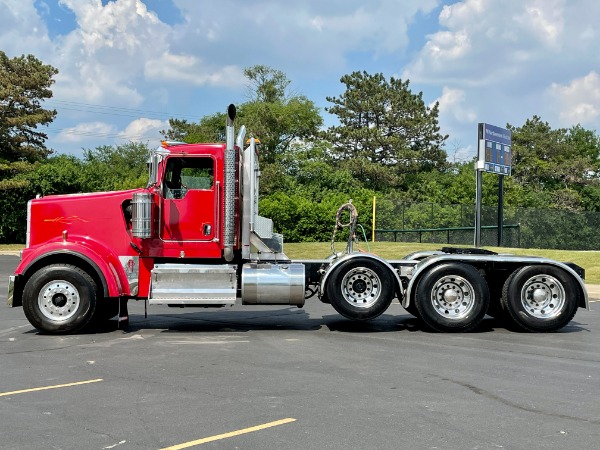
x=267 y=85
x=385 y=130
x=110 y=168
x=280 y=123
x=561 y=165
x=272 y=115
x=211 y=128
x=104 y=168
x=554 y=158
x=24 y=83
x=59 y=174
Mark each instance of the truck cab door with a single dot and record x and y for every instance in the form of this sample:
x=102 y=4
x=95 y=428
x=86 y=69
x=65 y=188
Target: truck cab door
x=189 y=210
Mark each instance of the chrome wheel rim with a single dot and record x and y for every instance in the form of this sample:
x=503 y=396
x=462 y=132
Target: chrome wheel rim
x=543 y=296
x=361 y=287
x=453 y=297
x=59 y=300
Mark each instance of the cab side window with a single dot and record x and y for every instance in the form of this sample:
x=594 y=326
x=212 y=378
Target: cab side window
x=183 y=174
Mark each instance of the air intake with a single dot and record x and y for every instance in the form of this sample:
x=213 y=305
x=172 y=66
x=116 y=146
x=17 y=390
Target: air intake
x=141 y=215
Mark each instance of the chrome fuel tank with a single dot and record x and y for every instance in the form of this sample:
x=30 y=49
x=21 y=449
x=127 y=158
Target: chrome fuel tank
x=273 y=284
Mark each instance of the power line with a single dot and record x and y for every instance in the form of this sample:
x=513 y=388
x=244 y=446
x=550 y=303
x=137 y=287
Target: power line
x=70 y=131
x=110 y=111
x=114 y=110
x=105 y=110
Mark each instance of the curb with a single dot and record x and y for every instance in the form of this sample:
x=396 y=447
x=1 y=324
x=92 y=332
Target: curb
x=593 y=291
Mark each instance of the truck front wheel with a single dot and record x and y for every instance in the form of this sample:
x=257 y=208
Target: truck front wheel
x=360 y=289
x=452 y=297
x=540 y=298
x=59 y=299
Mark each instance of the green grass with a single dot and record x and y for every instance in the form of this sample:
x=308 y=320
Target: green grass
x=11 y=247
x=589 y=260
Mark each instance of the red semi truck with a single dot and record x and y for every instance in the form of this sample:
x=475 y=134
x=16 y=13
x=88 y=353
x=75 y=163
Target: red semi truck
x=193 y=238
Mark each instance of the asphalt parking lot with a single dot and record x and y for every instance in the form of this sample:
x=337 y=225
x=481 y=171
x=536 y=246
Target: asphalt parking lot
x=289 y=378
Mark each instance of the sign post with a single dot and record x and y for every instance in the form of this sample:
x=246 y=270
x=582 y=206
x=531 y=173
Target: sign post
x=494 y=155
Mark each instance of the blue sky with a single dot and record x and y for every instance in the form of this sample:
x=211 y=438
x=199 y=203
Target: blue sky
x=126 y=66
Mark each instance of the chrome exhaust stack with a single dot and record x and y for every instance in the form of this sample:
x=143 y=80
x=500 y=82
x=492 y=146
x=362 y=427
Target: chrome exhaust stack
x=229 y=213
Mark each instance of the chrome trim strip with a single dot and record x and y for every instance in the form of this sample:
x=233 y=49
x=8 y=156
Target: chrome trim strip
x=28 y=232
x=217 y=219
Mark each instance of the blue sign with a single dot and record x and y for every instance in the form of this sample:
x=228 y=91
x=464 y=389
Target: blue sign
x=495 y=152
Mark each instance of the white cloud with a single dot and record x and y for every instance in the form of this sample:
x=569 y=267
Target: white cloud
x=578 y=102
x=455 y=115
x=452 y=103
x=138 y=130
x=121 y=25
x=121 y=54
x=144 y=129
x=511 y=60
x=544 y=19
x=485 y=42
x=119 y=47
x=102 y=60
x=305 y=36
x=445 y=47
x=84 y=131
x=486 y=61
x=192 y=70
x=22 y=29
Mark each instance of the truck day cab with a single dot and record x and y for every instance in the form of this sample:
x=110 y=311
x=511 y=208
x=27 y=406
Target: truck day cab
x=193 y=238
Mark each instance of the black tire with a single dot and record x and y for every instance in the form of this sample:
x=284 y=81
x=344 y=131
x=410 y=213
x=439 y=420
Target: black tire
x=540 y=298
x=452 y=297
x=59 y=299
x=361 y=289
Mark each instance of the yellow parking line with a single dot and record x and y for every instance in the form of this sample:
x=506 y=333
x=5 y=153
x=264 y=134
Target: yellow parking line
x=230 y=434
x=45 y=388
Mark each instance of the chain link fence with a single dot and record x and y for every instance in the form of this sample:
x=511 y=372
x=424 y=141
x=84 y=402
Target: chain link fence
x=454 y=224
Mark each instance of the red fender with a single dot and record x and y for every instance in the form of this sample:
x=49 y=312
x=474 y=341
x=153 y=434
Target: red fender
x=104 y=261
